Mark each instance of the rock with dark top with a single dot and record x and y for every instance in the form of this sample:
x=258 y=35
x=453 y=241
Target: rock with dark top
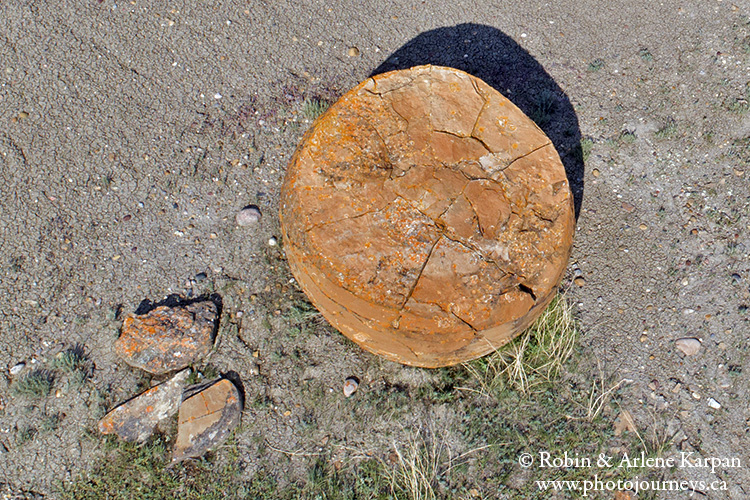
x=136 y=419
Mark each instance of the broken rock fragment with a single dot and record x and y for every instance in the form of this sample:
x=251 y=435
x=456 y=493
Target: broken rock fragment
x=427 y=217
x=168 y=338
x=206 y=419
x=136 y=419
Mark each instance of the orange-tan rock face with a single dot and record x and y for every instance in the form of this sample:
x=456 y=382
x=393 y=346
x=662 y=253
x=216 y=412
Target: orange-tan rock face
x=427 y=217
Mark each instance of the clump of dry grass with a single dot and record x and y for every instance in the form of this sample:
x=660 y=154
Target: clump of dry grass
x=416 y=467
x=535 y=358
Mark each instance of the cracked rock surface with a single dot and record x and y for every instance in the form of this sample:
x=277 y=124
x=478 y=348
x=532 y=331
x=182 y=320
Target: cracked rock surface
x=427 y=217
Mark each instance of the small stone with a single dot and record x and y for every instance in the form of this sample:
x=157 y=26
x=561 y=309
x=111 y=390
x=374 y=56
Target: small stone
x=272 y=241
x=353 y=52
x=350 y=386
x=580 y=281
x=736 y=278
x=643 y=227
x=17 y=368
x=627 y=207
x=738 y=172
x=595 y=172
x=688 y=346
x=200 y=277
x=248 y=216
x=206 y=419
x=676 y=388
x=136 y=419
x=59 y=393
x=714 y=404
x=168 y=338
x=254 y=369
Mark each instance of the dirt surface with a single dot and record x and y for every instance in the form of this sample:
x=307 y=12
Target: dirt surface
x=133 y=133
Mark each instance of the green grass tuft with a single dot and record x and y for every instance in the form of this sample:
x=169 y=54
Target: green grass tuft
x=544 y=107
x=36 y=384
x=587 y=144
x=313 y=108
x=595 y=65
x=71 y=360
x=668 y=130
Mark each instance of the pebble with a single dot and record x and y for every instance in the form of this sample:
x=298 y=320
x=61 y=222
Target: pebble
x=248 y=216
x=17 y=368
x=580 y=281
x=353 y=52
x=200 y=277
x=595 y=172
x=736 y=278
x=714 y=404
x=688 y=346
x=350 y=386
x=272 y=241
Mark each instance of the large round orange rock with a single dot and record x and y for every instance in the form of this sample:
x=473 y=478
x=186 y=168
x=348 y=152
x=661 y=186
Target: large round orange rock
x=426 y=217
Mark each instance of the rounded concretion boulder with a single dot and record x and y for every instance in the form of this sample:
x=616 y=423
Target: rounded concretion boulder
x=426 y=217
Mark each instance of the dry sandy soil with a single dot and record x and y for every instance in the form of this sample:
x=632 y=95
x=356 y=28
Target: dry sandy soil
x=132 y=133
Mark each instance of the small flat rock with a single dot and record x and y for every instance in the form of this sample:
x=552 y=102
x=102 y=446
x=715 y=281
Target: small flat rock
x=248 y=216
x=350 y=386
x=136 y=419
x=17 y=368
x=688 y=346
x=206 y=419
x=714 y=404
x=168 y=338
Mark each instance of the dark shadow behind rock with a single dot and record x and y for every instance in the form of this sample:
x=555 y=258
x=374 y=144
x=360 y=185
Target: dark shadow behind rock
x=491 y=55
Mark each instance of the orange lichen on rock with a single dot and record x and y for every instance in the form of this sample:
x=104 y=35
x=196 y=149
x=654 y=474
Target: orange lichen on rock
x=427 y=217
x=168 y=338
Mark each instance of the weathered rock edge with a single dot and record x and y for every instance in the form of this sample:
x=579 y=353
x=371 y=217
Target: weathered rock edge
x=427 y=217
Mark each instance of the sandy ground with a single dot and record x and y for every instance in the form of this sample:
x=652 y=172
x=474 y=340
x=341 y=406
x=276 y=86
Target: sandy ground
x=133 y=132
